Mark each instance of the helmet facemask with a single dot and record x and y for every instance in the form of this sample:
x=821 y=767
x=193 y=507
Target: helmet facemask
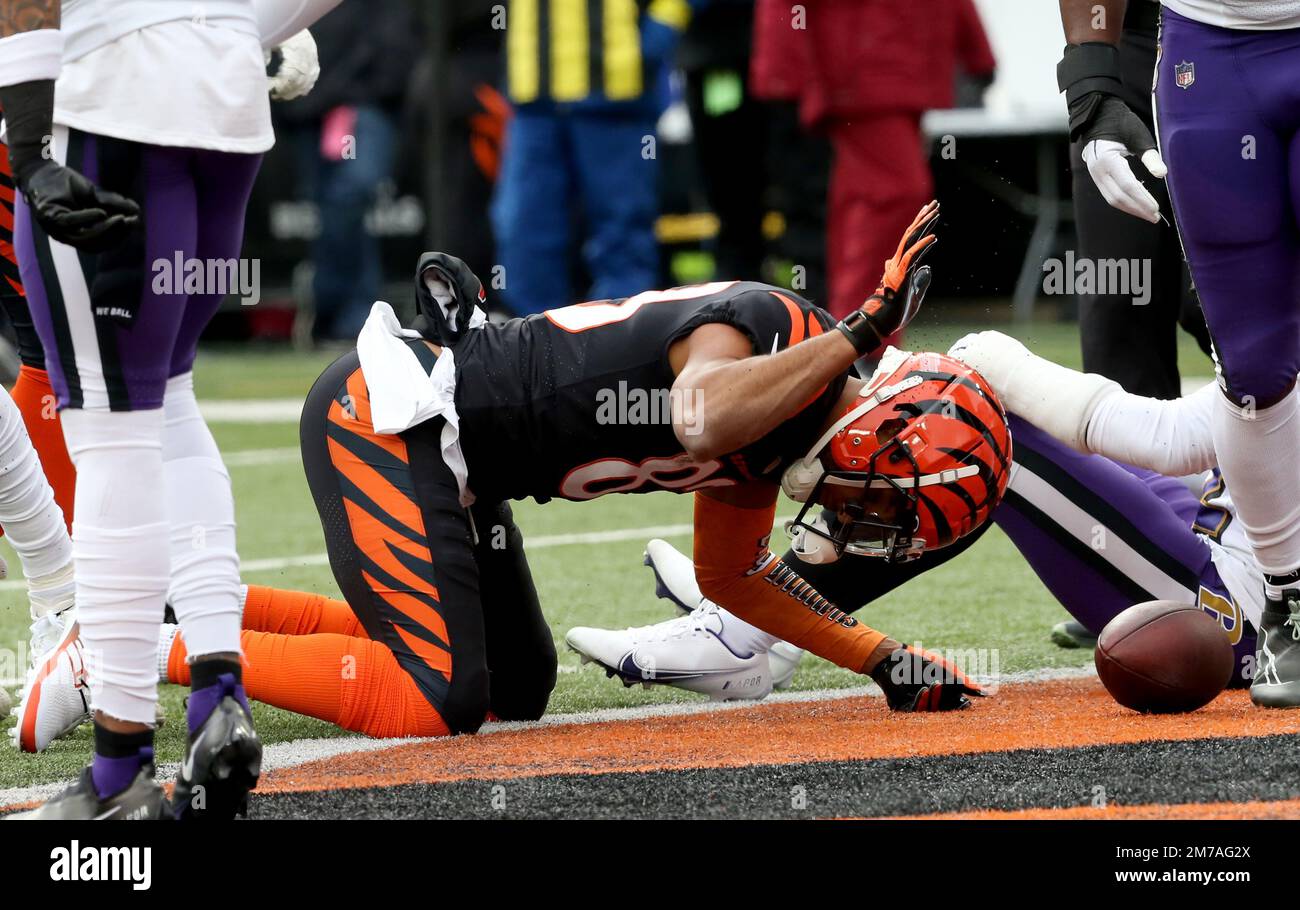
x=875 y=514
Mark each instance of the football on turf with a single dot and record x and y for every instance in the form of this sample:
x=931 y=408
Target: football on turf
x=1163 y=657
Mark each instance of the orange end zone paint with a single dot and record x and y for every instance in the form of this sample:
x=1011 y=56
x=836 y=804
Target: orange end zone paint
x=1056 y=714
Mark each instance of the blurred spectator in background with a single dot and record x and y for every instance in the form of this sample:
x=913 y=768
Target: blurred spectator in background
x=715 y=60
x=798 y=160
x=476 y=113
x=346 y=132
x=587 y=79
x=864 y=71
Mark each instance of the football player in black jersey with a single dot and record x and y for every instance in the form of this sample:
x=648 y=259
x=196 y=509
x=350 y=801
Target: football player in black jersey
x=420 y=536
x=413 y=444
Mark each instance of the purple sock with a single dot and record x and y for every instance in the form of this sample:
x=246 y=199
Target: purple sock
x=202 y=702
x=113 y=775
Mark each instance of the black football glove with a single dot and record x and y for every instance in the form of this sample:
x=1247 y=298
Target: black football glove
x=72 y=210
x=67 y=206
x=915 y=680
x=445 y=321
x=901 y=290
x=1108 y=129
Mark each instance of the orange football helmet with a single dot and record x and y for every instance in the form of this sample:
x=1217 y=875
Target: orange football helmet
x=917 y=463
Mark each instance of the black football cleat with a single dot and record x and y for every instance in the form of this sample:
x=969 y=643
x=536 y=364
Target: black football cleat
x=222 y=762
x=1276 y=683
x=143 y=800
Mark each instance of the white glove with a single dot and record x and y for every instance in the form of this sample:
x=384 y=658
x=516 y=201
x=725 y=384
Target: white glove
x=299 y=67
x=1108 y=165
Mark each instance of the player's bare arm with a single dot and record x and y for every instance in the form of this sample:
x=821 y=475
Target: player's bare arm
x=731 y=398
x=27 y=16
x=1093 y=20
x=741 y=397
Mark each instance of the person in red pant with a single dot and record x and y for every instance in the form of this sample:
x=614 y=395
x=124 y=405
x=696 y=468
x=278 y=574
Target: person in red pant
x=863 y=72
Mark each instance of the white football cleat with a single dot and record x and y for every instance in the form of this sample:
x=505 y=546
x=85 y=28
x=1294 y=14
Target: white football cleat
x=56 y=699
x=675 y=581
x=686 y=652
x=784 y=660
x=674 y=575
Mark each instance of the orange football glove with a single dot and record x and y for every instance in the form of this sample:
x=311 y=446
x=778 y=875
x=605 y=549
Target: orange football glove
x=901 y=290
x=915 y=680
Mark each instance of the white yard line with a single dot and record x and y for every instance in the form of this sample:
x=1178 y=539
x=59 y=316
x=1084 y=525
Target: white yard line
x=252 y=410
x=246 y=458
x=539 y=542
x=296 y=752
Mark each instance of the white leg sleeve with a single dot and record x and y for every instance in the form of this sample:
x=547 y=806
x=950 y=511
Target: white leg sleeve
x=1170 y=437
x=120 y=551
x=740 y=636
x=1091 y=413
x=1057 y=400
x=33 y=522
x=1257 y=451
x=205 y=591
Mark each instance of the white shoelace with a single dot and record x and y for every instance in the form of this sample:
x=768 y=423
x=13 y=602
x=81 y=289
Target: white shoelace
x=45 y=633
x=693 y=623
x=1293 y=620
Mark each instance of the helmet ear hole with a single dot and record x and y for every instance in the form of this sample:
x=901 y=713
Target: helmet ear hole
x=888 y=429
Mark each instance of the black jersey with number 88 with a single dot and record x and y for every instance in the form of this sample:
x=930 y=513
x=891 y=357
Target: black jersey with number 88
x=577 y=402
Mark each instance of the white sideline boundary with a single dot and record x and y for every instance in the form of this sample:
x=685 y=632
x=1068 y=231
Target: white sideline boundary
x=279 y=756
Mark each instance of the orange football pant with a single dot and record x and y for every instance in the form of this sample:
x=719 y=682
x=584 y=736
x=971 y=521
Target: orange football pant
x=36 y=401
x=308 y=654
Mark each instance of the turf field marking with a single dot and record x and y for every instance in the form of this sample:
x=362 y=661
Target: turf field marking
x=256 y=410
x=275 y=755
x=249 y=458
x=539 y=542
x=1254 y=809
x=297 y=752
x=1058 y=714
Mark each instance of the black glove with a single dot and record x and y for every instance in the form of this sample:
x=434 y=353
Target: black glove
x=72 y=210
x=445 y=322
x=920 y=681
x=1108 y=129
x=901 y=290
x=67 y=206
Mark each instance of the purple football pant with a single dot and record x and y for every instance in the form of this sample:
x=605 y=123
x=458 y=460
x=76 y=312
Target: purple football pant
x=192 y=206
x=1228 y=115
x=1102 y=536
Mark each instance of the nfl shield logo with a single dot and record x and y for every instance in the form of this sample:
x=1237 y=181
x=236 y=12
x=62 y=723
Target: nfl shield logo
x=1184 y=74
